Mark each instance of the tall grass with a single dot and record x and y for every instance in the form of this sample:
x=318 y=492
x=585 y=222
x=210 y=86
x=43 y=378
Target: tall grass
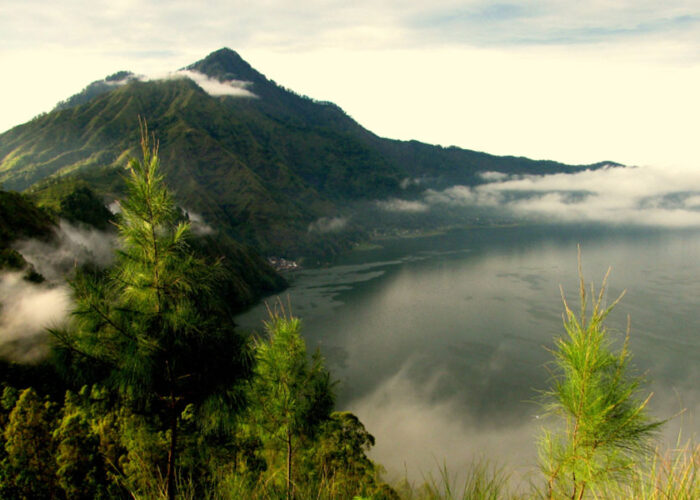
x=669 y=474
x=484 y=480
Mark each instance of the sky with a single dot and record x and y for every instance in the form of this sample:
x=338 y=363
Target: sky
x=574 y=81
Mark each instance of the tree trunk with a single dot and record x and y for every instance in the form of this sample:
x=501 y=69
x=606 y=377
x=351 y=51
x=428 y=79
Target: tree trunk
x=171 y=456
x=289 y=465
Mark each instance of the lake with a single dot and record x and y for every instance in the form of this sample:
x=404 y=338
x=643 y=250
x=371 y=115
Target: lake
x=439 y=343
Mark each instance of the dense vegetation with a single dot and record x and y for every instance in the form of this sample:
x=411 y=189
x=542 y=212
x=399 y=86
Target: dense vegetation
x=160 y=392
x=262 y=169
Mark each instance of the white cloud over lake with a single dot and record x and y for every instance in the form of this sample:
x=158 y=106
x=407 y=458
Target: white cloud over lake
x=649 y=196
x=398 y=205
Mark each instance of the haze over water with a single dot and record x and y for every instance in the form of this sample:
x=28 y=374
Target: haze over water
x=440 y=343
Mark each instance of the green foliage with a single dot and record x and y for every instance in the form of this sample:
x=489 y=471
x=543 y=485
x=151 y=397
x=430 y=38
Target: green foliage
x=83 y=206
x=20 y=218
x=606 y=430
x=29 y=469
x=80 y=465
x=292 y=397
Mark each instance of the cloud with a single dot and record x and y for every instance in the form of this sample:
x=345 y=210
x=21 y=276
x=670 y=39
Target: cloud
x=645 y=196
x=463 y=196
x=328 y=225
x=114 y=207
x=398 y=205
x=214 y=87
x=408 y=416
x=555 y=22
x=199 y=227
x=493 y=176
x=72 y=246
x=26 y=310
x=408 y=182
x=147 y=29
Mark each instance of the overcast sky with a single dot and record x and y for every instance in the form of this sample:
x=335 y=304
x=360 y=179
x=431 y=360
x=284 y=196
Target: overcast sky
x=576 y=81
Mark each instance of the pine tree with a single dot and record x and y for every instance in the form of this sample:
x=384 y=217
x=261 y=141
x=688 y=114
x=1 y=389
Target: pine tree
x=80 y=466
x=292 y=396
x=606 y=429
x=29 y=447
x=152 y=327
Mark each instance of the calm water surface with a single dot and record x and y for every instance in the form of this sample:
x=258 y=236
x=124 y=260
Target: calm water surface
x=440 y=343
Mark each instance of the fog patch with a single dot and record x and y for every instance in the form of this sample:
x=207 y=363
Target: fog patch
x=114 y=207
x=494 y=176
x=398 y=205
x=463 y=196
x=212 y=86
x=72 y=246
x=409 y=182
x=645 y=196
x=197 y=224
x=26 y=310
x=408 y=418
x=328 y=225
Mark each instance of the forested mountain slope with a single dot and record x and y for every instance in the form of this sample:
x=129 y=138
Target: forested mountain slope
x=261 y=164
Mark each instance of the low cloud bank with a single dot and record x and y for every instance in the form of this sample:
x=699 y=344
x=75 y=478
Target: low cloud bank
x=328 y=225
x=407 y=416
x=645 y=196
x=398 y=205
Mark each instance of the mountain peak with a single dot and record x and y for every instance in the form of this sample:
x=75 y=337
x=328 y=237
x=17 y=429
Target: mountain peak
x=225 y=64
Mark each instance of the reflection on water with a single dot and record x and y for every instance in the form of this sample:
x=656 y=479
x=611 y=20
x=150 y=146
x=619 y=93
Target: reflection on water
x=439 y=343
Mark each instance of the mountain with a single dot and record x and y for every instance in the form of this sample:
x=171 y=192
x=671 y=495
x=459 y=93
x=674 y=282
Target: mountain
x=262 y=164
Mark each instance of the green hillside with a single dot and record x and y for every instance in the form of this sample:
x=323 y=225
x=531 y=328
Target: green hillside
x=261 y=168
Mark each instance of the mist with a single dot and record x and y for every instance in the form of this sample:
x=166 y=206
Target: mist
x=197 y=224
x=328 y=225
x=27 y=309
x=212 y=86
x=643 y=196
x=71 y=246
x=398 y=205
x=420 y=433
